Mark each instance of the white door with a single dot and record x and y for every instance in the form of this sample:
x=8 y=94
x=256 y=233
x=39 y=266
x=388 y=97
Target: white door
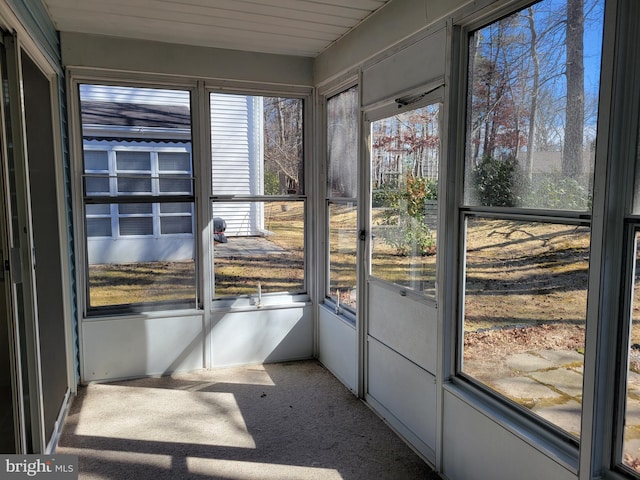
x=400 y=338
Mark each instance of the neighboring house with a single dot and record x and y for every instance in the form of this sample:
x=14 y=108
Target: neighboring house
x=140 y=145
x=545 y=162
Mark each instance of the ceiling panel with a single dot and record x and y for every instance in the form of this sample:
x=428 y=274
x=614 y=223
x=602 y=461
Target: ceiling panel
x=291 y=27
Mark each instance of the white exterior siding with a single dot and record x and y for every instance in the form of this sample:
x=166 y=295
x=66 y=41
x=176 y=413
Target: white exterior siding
x=236 y=150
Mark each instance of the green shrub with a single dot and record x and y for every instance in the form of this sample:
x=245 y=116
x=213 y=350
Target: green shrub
x=556 y=191
x=495 y=182
x=271 y=183
x=404 y=214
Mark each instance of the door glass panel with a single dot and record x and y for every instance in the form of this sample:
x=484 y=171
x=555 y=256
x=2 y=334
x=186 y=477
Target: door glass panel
x=16 y=213
x=405 y=157
x=7 y=434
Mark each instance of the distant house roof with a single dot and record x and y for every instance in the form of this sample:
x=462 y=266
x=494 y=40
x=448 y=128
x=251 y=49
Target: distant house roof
x=135 y=122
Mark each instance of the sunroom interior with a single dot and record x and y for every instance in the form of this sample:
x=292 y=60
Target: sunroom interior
x=437 y=200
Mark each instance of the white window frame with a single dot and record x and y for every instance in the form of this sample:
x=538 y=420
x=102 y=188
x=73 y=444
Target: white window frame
x=270 y=300
x=349 y=314
x=575 y=457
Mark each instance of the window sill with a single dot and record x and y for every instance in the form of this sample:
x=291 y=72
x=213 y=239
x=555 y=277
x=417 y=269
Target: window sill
x=185 y=312
x=345 y=316
x=267 y=302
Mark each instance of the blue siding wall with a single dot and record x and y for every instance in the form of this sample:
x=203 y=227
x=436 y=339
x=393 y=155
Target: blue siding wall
x=35 y=18
x=69 y=216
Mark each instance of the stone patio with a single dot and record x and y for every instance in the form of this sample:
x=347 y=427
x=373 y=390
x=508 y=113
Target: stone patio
x=550 y=383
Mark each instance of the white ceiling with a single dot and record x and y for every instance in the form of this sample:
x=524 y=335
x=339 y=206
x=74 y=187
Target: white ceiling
x=291 y=27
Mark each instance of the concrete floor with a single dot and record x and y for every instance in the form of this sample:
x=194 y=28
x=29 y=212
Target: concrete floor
x=268 y=422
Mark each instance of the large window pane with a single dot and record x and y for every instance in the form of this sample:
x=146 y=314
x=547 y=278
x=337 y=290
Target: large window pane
x=525 y=294
x=137 y=142
x=262 y=248
x=138 y=262
x=257 y=145
x=405 y=155
x=532 y=102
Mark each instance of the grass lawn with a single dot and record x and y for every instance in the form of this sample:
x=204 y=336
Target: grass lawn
x=517 y=273
x=123 y=284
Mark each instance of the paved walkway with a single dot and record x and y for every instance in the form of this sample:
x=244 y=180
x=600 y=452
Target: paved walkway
x=550 y=383
x=247 y=246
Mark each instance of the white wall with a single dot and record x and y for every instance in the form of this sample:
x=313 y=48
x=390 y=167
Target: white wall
x=261 y=336
x=475 y=447
x=136 y=346
x=338 y=347
x=380 y=32
x=81 y=50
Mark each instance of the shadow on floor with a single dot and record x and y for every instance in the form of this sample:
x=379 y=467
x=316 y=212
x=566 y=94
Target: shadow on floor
x=268 y=422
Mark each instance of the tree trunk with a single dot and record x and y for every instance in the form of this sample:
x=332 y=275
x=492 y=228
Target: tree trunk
x=573 y=141
x=533 y=109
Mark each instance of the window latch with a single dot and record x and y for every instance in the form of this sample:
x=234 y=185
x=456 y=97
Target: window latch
x=363 y=235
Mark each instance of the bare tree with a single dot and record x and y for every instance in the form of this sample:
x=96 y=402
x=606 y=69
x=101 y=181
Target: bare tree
x=533 y=108
x=574 y=129
x=283 y=144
